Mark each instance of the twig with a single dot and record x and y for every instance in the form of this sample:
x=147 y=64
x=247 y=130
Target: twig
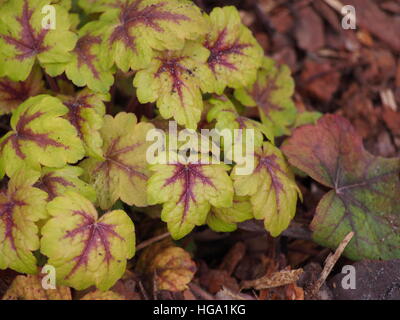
x=329 y=264
x=150 y=241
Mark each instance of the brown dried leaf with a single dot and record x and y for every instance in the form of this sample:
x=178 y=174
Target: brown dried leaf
x=273 y=280
x=30 y=288
x=173 y=269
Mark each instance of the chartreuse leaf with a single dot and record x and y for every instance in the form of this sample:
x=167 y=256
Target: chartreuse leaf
x=12 y=93
x=170 y=80
x=85 y=249
x=122 y=171
x=86 y=112
x=235 y=54
x=136 y=27
x=40 y=135
x=91 y=6
x=85 y=67
x=365 y=189
x=227 y=117
x=20 y=207
x=272 y=94
x=57 y=181
x=272 y=189
x=187 y=190
x=226 y=219
x=23 y=39
x=30 y=288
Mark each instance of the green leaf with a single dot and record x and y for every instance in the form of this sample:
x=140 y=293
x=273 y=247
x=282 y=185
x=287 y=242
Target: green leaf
x=23 y=39
x=12 y=93
x=171 y=81
x=84 y=249
x=40 y=136
x=272 y=94
x=122 y=171
x=86 y=112
x=235 y=53
x=58 y=181
x=136 y=27
x=227 y=117
x=306 y=117
x=226 y=219
x=187 y=191
x=365 y=189
x=85 y=68
x=272 y=189
x=20 y=207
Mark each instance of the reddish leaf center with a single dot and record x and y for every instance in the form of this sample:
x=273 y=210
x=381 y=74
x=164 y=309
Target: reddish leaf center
x=30 y=43
x=220 y=50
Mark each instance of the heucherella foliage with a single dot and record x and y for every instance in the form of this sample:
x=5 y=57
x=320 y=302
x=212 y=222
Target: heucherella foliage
x=172 y=79
x=24 y=40
x=187 y=190
x=40 y=136
x=12 y=93
x=55 y=182
x=85 y=249
x=235 y=54
x=135 y=28
x=226 y=219
x=271 y=187
x=86 y=111
x=21 y=206
x=121 y=173
x=365 y=189
x=272 y=95
x=85 y=67
x=227 y=117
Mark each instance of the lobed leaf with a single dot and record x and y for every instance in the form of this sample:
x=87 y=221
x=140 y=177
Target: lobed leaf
x=86 y=111
x=84 y=249
x=272 y=94
x=55 y=182
x=40 y=136
x=227 y=117
x=21 y=206
x=122 y=171
x=235 y=54
x=85 y=67
x=365 y=189
x=171 y=80
x=23 y=39
x=100 y=295
x=271 y=187
x=187 y=190
x=137 y=27
x=12 y=93
x=226 y=219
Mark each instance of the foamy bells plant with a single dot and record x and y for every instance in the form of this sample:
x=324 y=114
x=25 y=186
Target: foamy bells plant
x=68 y=165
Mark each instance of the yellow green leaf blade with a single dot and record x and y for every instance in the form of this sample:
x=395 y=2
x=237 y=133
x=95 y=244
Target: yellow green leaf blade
x=187 y=191
x=122 y=171
x=84 y=249
x=235 y=54
x=271 y=187
x=24 y=39
x=40 y=136
x=21 y=206
x=272 y=94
